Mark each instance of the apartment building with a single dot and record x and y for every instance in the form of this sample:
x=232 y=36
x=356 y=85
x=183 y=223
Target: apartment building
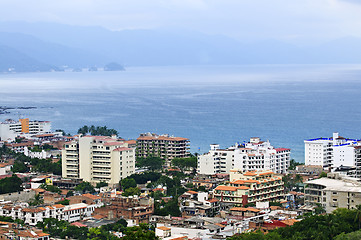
x=334 y=153
x=32 y=216
x=164 y=146
x=254 y=155
x=333 y=192
x=10 y=129
x=98 y=159
x=251 y=187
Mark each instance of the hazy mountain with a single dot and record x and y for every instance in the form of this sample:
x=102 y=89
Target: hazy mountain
x=78 y=46
x=14 y=61
x=51 y=53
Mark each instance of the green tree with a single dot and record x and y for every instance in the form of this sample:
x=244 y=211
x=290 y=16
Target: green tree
x=10 y=184
x=19 y=167
x=85 y=187
x=152 y=163
x=131 y=191
x=64 y=202
x=50 y=188
x=185 y=163
x=128 y=182
x=141 y=232
x=101 y=184
x=323 y=174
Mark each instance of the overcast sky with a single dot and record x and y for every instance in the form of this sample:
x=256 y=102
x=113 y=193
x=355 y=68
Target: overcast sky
x=299 y=21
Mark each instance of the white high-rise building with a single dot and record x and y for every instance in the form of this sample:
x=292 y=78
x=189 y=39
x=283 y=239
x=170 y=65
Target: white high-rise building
x=334 y=153
x=255 y=155
x=10 y=129
x=98 y=159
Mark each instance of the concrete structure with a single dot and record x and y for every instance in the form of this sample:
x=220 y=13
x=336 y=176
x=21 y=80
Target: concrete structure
x=98 y=159
x=164 y=146
x=251 y=187
x=254 y=155
x=333 y=192
x=334 y=153
x=32 y=216
x=9 y=129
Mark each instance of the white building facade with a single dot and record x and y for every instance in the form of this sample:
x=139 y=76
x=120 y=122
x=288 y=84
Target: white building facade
x=254 y=155
x=10 y=129
x=98 y=159
x=333 y=153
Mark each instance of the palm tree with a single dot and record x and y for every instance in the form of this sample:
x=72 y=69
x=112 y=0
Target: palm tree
x=358 y=215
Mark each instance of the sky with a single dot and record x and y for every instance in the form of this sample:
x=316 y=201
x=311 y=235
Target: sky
x=302 y=21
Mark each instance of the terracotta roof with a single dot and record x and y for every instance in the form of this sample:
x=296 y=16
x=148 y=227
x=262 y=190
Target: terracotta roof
x=91 y=196
x=229 y=188
x=250 y=174
x=212 y=200
x=162 y=138
x=4 y=165
x=113 y=143
x=192 y=192
x=58 y=206
x=282 y=149
x=241 y=209
x=266 y=173
x=289 y=222
x=120 y=149
x=78 y=224
x=131 y=141
x=164 y=228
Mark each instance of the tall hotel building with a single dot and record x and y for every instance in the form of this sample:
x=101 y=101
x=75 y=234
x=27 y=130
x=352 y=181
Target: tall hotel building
x=10 y=129
x=335 y=153
x=98 y=159
x=163 y=146
x=254 y=155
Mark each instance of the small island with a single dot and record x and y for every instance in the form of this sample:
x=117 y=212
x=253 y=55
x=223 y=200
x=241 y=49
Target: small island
x=113 y=66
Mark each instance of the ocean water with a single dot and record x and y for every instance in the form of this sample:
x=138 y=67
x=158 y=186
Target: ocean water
x=207 y=104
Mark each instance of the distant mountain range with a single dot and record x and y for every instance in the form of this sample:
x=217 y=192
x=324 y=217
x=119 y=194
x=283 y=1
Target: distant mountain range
x=49 y=46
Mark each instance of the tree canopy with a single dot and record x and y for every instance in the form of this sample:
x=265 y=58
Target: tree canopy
x=97 y=131
x=152 y=163
x=10 y=184
x=185 y=163
x=85 y=187
x=336 y=225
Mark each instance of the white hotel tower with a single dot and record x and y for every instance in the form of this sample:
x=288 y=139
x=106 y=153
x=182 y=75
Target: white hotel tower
x=335 y=152
x=255 y=155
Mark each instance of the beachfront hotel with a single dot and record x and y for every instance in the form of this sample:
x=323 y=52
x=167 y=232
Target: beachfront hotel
x=163 y=146
x=255 y=155
x=98 y=159
x=10 y=129
x=335 y=153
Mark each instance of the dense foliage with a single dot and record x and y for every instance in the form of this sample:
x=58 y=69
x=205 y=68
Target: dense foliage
x=169 y=208
x=128 y=182
x=101 y=184
x=151 y=163
x=38 y=165
x=317 y=227
x=10 y=184
x=294 y=164
x=97 y=131
x=50 y=188
x=85 y=187
x=145 y=177
x=64 y=230
x=185 y=163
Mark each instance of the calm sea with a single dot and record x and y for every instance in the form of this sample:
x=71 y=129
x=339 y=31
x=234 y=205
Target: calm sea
x=208 y=104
